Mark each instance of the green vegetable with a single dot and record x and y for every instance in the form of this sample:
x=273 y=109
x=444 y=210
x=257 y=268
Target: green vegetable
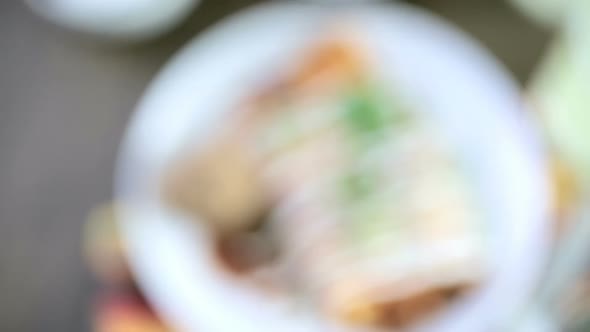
x=369 y=115
x=358 y=185
x=364 y=115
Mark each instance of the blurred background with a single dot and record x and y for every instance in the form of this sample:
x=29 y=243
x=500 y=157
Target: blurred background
x=65 y=99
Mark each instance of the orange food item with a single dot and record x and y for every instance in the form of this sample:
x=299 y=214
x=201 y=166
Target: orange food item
x=125 y=313
x=335 y=57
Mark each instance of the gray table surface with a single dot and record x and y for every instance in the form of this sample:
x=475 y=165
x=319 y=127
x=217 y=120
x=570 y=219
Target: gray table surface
x=64 y=104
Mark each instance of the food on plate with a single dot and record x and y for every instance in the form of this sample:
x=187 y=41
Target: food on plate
x=403 y=312
x=244 y=251
x=361 y=202
x=220 y=185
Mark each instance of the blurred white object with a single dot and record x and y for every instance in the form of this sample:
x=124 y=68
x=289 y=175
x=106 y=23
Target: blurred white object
x=559 y=90
x=559 y=93
x=116 y=19
x=535 y=321
x=546 y=12
x=449 y=77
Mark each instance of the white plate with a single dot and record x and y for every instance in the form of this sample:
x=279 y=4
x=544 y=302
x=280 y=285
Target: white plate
x=450 y=76
x=117 y=19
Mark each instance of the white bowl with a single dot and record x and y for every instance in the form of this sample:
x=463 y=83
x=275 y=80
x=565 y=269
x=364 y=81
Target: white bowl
x=117 y=19
x=449 y=75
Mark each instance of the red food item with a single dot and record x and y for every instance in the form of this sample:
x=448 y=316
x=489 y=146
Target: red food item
x=125 y=313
